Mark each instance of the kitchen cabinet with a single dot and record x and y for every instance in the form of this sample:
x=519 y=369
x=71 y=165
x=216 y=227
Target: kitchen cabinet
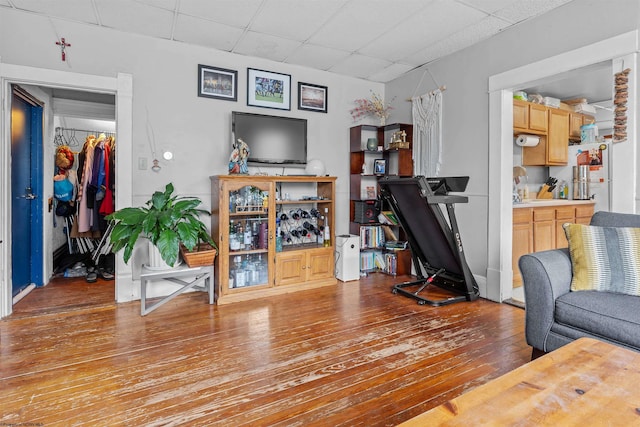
x=251 y=262
x=576 y=121
x=538 y=229
x=553 y=150
x=529 y=117
x=522 y=240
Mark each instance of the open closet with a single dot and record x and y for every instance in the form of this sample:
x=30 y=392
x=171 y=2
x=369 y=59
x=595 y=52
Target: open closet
x=84 y=194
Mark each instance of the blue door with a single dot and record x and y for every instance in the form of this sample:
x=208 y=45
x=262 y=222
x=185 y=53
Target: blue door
x=26 y=191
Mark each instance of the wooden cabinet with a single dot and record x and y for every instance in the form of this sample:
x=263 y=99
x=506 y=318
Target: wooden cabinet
x=538 y=229
x=553 y=148
x=544 y=230
x=244 y=213
x=576 y=121
x=304 y=266
x=522 y=240
x=529 y=117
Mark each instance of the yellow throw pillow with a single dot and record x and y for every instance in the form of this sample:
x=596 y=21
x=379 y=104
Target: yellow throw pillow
x=604 y=258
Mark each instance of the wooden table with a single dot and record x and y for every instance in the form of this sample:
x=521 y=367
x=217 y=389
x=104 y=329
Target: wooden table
x=585 y=383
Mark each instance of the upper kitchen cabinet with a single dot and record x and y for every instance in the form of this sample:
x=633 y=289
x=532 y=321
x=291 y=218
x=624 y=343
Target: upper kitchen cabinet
x=577 y=120
x=553 y=149
x=529 y=118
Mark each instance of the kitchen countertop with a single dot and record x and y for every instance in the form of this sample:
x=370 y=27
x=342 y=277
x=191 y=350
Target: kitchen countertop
x=538 y=203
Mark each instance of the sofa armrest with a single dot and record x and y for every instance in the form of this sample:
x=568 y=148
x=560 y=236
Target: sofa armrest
x=546 y=276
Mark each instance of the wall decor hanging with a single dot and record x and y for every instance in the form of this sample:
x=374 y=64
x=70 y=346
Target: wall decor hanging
x=217 y=83
x=312 y=97
x=268 y=90
x=620 y=101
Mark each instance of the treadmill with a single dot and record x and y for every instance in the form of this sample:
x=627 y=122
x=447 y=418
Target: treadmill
x=436 y=246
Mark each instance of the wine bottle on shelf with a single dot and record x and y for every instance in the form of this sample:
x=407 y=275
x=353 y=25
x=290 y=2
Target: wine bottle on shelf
x=327 y=231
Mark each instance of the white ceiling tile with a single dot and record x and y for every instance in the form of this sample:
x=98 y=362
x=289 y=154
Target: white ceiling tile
x=360 y=66
x=237 y=13
x=436 y=22
x=318 y=57
x=520 y=10
x=135 y=17
x=76 y=10
x=391 y=72
x=4 y=3
x=265 y=46
x=163 y=4
x=206 y=33
x=464 y=38
x=488 y=6
x=298 y=22
x=361 y=21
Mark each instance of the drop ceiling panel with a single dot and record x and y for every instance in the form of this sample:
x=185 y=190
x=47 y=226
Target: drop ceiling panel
x=520 y=10
x=360 y=66
x=206 y=33
x=135 y=17
x=464 y=38
x=488 y=6
x=77 y=10
x=266 y=46
x=360 y=22
x=301 y=22
x=237 y=13
x=433 y=23
x=318 y=57
x=164 y=4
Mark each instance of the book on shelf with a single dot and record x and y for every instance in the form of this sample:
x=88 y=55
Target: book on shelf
x=387 y=217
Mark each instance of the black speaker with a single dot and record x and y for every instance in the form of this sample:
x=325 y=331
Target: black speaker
x=366 y=211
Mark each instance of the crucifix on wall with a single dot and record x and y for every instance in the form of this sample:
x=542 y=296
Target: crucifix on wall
x=63 y=45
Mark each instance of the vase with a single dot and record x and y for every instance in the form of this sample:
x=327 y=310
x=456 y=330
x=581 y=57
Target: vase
x=155 y=259
x=383 y=121
x=372 y=144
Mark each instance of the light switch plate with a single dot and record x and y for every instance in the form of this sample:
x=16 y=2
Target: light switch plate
x=142 y=163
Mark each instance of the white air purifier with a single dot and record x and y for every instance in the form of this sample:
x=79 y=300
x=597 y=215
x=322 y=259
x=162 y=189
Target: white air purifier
x=347 y=257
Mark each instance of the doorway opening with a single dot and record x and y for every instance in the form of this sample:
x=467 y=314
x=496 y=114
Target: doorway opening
x=77 y=121
x=621 y=50
x=120 y=87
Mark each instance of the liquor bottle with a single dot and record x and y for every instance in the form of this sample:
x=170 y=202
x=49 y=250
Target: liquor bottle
x=327 y=232
x=240 y=236
x=248 y=238
x=321 y=233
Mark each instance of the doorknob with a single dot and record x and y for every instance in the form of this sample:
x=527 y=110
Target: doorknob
x=28 y=194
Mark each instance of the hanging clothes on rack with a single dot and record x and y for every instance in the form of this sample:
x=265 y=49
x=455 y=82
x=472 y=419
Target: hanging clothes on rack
x=85 y=213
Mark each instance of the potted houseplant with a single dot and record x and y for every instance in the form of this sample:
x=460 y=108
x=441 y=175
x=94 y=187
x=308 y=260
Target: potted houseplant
x=171 y=223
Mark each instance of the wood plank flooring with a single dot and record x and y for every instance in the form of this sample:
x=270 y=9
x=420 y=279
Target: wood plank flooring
x=346 y=355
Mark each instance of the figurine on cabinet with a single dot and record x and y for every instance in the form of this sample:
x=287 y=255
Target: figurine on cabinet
x=239 y=157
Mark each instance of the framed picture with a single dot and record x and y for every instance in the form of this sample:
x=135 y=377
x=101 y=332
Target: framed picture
x=268 y=90
x=379 y=166
x=312 y=97
x=217 y=83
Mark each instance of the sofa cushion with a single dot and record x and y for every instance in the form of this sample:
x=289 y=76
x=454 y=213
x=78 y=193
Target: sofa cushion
x=604 y=258
x=606 y=314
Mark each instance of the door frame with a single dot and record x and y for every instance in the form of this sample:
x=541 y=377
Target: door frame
x=621 y=50
x=122 y=87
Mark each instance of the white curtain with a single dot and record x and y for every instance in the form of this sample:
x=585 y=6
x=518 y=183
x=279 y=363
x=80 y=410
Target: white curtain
x=427 y=133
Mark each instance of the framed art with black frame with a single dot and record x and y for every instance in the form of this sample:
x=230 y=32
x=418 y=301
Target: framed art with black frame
x=312 y=97
x=218 y=83
x=268 y=90
x=379 y=166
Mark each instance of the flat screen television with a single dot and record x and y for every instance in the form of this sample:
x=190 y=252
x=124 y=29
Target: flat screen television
x=272 y=140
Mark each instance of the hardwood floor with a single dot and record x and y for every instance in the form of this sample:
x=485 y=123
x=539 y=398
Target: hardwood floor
x=345 y=355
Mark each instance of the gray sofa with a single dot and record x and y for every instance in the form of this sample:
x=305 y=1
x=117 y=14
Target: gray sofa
x=556 y=316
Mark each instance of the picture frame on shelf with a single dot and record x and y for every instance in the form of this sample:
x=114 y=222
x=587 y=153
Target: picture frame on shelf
x=218 y=83
x=267 y=89
x=379 y=166
x=312 y=97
